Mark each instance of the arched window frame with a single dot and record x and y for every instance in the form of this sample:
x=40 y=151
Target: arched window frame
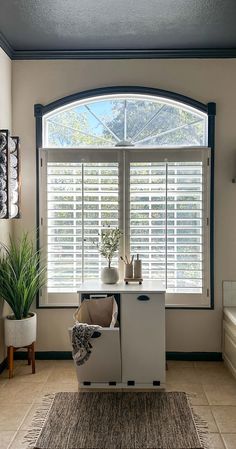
x=210 y=109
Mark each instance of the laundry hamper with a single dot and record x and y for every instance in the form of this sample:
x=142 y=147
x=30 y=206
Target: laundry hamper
x=104 y=363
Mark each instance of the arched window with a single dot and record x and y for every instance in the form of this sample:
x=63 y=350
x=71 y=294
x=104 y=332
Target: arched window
x=125 y=120
x=135 y=158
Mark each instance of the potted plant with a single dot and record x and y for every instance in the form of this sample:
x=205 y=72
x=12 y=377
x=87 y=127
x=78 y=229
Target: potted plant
x=21 y=277
x=110 y=239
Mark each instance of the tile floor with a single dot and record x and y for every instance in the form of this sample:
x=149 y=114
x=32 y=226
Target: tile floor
x=212 y=386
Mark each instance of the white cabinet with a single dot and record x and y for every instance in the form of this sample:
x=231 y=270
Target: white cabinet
x=143 y=337
x=135 y=354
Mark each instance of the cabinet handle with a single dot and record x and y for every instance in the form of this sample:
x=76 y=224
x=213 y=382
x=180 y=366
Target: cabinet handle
x=96 y=334
x=143 y=298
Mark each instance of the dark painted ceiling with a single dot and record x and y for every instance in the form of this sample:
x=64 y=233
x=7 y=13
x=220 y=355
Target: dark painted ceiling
x=118 y=24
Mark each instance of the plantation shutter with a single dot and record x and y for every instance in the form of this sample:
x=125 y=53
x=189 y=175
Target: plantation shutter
x=185 y=227
x=169 y=220
x=81 y=198
x=100 y=209
x=64 y=225
x=148 y=217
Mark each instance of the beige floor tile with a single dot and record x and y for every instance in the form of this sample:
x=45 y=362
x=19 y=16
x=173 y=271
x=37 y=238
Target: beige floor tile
x=19 y=392
x=12 y=416
x=196 y=392
x=63 y=375
x=179 y=364
x=5 y=373
x=2 y=382
x=48 y=363
x=24 y=373
x=206 y=365
x=225 y=395
x=5 y=438
x=61 y=364
x=220 y=376
x=56 y=387
x=182 y=375
x=205 y=413
x=25 y=425
x=229 y=440
x=19 y=441
x=215 y=441
x=225 y=416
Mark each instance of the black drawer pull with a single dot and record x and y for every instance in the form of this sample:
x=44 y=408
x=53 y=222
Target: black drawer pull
x=143 y=298
x=96 y=334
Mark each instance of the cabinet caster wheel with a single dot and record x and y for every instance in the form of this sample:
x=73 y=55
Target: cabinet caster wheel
x=126 y=283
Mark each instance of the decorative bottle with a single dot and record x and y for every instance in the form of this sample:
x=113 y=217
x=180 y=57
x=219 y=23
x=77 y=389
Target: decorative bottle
x=137 y=268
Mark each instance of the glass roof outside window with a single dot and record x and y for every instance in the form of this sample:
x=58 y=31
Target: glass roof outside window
x=125 y=120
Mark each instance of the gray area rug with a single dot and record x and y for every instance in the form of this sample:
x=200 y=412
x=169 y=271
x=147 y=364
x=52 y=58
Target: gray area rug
x=117 y=420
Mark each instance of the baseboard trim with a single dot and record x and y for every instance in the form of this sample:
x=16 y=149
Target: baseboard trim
x=185 y=356
x=3 y=365
x=45 y=355
x=195 y=356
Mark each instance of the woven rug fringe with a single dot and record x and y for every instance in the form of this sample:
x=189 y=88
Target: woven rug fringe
x=39 y=420
x=200 y=424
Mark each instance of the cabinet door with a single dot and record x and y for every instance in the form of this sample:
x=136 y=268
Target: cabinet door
x=104 y=363
x=143 y=337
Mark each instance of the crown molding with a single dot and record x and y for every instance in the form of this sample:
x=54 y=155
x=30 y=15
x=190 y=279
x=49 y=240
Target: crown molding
x=126 y=54
x=206 y=53
x=4 y=44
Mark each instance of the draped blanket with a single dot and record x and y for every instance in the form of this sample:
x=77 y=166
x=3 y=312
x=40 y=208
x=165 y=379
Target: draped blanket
x=81 y=336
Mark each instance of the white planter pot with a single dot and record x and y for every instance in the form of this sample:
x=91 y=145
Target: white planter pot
x=110 y=275
x=19 y=333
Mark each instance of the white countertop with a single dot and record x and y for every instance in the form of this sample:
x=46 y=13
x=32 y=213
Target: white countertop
x=147 y=286
x=230 y=312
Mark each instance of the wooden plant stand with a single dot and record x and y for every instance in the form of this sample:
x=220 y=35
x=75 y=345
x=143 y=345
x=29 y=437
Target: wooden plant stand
x=10 y=357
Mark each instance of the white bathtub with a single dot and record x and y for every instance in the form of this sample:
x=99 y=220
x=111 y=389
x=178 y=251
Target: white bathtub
x=229 y=338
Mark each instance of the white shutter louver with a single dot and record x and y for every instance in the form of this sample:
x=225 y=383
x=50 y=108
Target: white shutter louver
x=81 y=199
x=185 y=243
x=148 y=217
x=166 y=222
x=64 y=209
x=100 y=209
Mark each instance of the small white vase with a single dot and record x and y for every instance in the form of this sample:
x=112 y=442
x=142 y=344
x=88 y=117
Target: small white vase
x=110 y=275
x=20 y=333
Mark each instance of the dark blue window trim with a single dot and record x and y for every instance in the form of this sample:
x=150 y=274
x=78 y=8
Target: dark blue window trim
x=209 y=109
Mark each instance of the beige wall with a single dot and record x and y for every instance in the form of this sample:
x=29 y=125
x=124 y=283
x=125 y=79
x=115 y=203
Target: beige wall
x=5 y=123
x=203 y=80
